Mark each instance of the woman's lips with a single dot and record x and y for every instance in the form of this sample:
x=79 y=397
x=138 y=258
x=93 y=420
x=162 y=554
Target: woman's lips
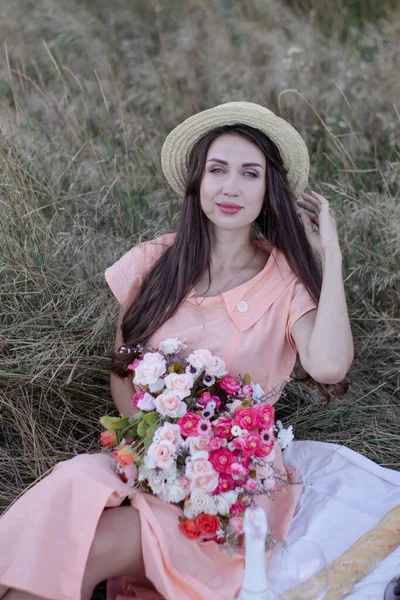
x=228 y=208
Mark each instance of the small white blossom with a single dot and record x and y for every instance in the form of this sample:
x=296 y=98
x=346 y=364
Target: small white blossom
x=208 y=380
x=285 y=437
x=207 y=413
x=235 y=430
x=258 y=392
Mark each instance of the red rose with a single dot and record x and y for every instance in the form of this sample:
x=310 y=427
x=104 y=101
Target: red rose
x=247 y=418
x=208 y=524
x=190 y=529
x=229 y=384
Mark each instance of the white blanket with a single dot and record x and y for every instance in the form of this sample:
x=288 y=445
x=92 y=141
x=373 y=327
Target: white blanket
x=348 y=496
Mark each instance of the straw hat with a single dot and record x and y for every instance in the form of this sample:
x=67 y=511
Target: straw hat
x=177 y=146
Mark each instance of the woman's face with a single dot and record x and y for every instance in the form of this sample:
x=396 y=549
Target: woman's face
x=232 y=188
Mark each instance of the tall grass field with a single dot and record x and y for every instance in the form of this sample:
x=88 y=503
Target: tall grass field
x=89 y=89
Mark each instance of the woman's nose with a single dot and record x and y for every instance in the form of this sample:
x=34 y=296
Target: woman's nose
x=230 y=188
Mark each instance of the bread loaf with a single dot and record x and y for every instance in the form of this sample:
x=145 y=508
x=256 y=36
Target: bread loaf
x=356 y=562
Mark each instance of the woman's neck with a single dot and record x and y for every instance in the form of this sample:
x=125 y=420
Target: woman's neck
x=230 y=248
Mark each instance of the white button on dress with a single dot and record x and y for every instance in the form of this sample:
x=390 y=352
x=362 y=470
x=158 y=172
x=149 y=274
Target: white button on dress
x=242 y=306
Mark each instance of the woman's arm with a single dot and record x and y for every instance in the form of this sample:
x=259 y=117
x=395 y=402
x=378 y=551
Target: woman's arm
x=323 y=337
x=122 y=389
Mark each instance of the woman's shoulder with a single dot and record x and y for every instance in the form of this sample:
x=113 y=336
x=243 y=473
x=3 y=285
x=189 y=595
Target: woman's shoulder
x=153 y=249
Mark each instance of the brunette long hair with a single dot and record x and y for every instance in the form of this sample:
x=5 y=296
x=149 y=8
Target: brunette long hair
x=176 y=271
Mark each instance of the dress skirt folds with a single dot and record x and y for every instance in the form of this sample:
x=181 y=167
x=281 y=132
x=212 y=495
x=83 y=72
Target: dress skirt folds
x=45 y=537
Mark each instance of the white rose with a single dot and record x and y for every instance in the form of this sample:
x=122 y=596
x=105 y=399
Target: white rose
x=150 y=371
x=170 y=404
x=188 y=510
x=285 y=437
x=223 y=505
x=147 y=402
x=233 y=405
x=156 y=482
x=202 y=502
x=149 y=463
x=230 y=496
x=153 y=357
x=216 y=367
x=169 y=432
x=171 y=345
x=180 y=384
x=173 y=493
x=200 y=359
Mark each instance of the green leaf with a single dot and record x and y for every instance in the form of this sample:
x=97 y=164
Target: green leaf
x=114 y=424
x=150 y=431
x=141 y=429
x=151 y=417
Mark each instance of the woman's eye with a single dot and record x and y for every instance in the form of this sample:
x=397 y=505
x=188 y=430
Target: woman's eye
x=215 y=169
x=251 y=173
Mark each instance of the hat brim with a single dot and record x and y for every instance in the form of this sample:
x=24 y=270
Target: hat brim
x=179 y=143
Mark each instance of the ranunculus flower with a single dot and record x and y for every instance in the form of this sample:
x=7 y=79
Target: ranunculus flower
x=180 y=384
x=216 y=367
x=162 y=454
x=237 y=524
x=108 y=438
x=206 y=397
x=252 y=444
x=229 y=384
x=146 y=402
x=222 y=428
x=246 y=418
x=170 y=345
x=170 y=432
x=239 y=469
x=250 y=485
x=208 y=524
x=215 y=443
x=190 y=529
x=170 y=404
x=247 y=390
x=265 y=416
x=225 y=484
x=237 y=508
x=189 y=423
x=221 y=460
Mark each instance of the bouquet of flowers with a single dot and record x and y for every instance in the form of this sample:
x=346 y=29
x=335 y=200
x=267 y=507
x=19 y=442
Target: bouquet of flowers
x=201 y=437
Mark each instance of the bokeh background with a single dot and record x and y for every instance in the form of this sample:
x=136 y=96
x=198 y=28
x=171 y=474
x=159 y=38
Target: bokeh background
x=88 y=91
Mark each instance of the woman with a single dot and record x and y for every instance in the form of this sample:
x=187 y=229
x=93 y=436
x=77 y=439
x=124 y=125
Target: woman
x=240 y=278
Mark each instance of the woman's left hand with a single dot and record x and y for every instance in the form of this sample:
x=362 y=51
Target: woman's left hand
x=321 y=215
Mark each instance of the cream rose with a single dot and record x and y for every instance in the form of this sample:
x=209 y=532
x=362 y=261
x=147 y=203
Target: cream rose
x=169 y=432
x=207 y=483
x=202 y=502
x=171 y=345
x=198 y=443
x=170 y=404
x=200 y=359
x=150 y=371
x=162 y=454
x=179 y=384
x=216 y=367
x=198 y=465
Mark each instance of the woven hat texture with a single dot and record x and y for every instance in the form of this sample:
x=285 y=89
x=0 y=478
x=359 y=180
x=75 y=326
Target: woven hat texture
x=178 y=144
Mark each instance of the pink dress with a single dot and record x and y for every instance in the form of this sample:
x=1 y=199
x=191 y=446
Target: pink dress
x=46 y=535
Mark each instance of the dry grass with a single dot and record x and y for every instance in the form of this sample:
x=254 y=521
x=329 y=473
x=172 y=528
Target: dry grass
x=88 y=91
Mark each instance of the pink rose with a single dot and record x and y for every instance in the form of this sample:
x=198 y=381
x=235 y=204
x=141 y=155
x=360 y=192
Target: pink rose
x=266 y=415
x=229 y=384
x=162 y=454
x=237 y=508
x=246 y=418
x=239 y=469
x=181 y=384
x=184 y=483
x=207 y=483
x=146 y=402
x=169 y=432
x=221 y=460
x=199 y=359
x=199 y=465
x=252 y=444
x=198 y=442
x=206 y=397
x=223 y=428
x=170 y=404
x=250 y=485
x=237 y=524
x=247 y=390
x=216 y=367
x=189 y=423
x=225 y=484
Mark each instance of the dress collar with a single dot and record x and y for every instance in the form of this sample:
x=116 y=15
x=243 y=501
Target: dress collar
x=247 y=302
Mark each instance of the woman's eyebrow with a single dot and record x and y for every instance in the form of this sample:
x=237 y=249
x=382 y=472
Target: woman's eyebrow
x=223 y=162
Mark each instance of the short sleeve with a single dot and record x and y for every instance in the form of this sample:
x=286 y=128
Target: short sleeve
x=300 y=304
x=125 y=276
